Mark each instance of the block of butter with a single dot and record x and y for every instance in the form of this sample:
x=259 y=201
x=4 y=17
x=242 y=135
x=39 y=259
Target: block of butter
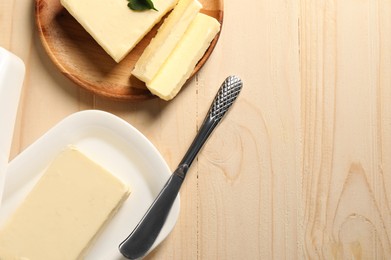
x=166 y=39
x=181 y=62
x=64 y=212
x=113 y=25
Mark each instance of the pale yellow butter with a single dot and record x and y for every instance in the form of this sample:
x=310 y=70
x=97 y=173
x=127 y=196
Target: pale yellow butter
x=166 y=39
x=63 y=213
x=181 y=62
x=113 y=25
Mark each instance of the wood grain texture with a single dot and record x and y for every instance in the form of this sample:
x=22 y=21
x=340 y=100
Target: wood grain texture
x=79 y=57
x=301 y=166
x=346 y=85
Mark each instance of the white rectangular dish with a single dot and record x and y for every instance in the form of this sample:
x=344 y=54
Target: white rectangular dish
x=115 y=145
x=12 y=72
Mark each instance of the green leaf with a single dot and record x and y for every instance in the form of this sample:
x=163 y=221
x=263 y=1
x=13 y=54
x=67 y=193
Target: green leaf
x=141 y=5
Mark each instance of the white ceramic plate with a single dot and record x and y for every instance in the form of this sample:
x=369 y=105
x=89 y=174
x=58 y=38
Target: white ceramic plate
x=12 y=72
x=115 y=145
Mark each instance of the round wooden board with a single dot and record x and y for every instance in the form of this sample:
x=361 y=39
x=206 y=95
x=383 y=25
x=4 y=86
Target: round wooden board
x=80 y=58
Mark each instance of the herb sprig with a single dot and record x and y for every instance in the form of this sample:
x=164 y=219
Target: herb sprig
x=141 y=5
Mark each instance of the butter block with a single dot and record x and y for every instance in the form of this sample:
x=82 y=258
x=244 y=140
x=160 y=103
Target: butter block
x=113 y=25
x=181 y=62
x=64 y=212
x=166 y=39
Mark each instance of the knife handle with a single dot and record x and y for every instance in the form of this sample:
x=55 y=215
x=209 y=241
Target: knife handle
x=225 y=97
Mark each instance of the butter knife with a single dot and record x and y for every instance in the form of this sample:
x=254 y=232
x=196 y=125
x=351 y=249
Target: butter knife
x=138 y=243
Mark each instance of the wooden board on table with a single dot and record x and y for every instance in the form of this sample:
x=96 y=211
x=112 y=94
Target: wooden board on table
x=79 y=57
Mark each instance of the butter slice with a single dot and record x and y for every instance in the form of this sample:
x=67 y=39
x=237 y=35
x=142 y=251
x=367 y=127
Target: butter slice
x=166 y=39
x=181 y=62
x=113 y=25
x=63 y=213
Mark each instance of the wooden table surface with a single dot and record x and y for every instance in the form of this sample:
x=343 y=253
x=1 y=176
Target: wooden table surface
x=301 y=166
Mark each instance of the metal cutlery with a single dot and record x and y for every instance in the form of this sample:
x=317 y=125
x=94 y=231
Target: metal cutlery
x=139 y=242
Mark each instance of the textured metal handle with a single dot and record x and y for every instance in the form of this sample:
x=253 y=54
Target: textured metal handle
x=138 y=243
x=225 y=97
